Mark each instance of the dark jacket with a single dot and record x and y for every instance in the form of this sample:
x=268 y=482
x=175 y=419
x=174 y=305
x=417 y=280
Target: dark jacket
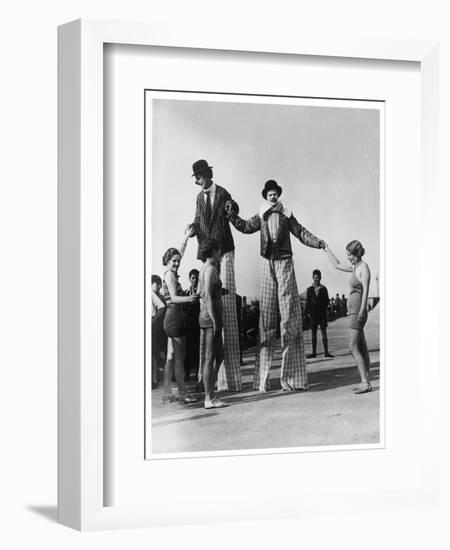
x=219 y=226
x=282 y=247
x=316 y=306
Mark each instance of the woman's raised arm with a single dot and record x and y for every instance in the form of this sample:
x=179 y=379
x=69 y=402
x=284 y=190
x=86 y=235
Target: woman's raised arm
x=337 y=264
x=189 y=232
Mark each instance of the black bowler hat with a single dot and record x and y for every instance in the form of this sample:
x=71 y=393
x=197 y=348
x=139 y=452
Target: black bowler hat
x=201 y=167
x=271 y=185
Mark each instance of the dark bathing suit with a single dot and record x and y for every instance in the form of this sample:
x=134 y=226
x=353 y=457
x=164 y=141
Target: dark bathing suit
x=354 y=304
x=174 y=321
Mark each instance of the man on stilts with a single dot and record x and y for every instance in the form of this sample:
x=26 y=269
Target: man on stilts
x=278 y=288
x=211 y=222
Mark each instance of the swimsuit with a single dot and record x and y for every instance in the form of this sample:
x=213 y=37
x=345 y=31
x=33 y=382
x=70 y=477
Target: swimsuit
x=175 y=319
x=354 y=304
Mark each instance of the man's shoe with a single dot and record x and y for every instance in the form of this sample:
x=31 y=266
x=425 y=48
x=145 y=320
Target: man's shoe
x=311 y=356
x=328 y=355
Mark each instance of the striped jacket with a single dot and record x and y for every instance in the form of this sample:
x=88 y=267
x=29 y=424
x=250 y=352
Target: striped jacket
x=219 y=226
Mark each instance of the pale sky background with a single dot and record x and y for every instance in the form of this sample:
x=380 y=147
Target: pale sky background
x=326 y=159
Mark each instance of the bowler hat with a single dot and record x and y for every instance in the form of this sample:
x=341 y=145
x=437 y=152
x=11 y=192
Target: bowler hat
x=271 y=185
x=201 y=167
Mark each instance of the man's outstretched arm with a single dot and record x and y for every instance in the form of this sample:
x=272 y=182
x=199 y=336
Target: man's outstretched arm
x=303 y=235
x=244 y=226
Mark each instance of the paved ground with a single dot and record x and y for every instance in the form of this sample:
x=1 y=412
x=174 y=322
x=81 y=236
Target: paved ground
x=327 y=414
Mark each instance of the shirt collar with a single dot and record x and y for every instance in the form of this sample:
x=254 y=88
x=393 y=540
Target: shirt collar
x=211 y=190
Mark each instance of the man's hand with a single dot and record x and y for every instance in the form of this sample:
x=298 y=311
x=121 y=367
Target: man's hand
x=231 y=207
x=322 y=244
x=189 y=232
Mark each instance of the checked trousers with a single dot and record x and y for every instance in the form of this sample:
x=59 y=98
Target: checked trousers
x=278 y=289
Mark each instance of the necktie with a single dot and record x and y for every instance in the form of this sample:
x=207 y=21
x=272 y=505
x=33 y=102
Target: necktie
x=207 y=208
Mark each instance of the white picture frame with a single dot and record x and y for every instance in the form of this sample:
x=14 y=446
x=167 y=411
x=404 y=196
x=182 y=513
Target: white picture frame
x=81 y=362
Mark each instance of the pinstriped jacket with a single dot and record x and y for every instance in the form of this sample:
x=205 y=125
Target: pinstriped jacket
x=219 y=226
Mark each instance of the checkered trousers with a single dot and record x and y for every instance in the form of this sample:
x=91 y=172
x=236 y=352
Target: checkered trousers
x=229 y=376
x=278 y=288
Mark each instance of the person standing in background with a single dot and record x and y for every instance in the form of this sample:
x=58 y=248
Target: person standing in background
x=159 y=338
x=337 y=305
x=317 y=302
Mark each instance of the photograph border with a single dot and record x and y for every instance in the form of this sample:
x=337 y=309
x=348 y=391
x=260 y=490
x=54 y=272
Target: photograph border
x=81 y=487
x=291 y=100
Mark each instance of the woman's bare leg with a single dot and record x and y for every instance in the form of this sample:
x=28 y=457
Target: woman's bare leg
x=355 y=345
x=365 y=353
x=214 y=354
x=179 y=346
x=208 y=365
x=219 y=356
x=168 y=367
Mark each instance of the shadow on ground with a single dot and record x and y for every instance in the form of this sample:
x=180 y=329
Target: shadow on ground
x=318 y=381
x=48 y=512
x=344 y=376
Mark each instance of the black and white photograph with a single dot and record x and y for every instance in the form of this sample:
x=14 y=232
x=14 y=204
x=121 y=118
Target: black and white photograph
x=263 y=274
x=225 y=231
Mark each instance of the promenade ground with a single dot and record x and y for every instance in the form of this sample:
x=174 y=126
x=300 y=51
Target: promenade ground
x=327 y=414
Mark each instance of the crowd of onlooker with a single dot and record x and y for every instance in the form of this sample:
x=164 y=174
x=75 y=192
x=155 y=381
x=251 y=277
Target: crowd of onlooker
x=337 y=307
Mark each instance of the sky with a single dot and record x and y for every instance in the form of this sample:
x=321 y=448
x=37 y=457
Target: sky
x=325 y=158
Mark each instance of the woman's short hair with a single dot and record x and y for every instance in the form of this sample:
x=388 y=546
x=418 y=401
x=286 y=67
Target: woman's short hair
x=207 y=249
x=317 y=272
x=356 y=248
x=169 y=254
x=156 y=279
x=194 y=272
